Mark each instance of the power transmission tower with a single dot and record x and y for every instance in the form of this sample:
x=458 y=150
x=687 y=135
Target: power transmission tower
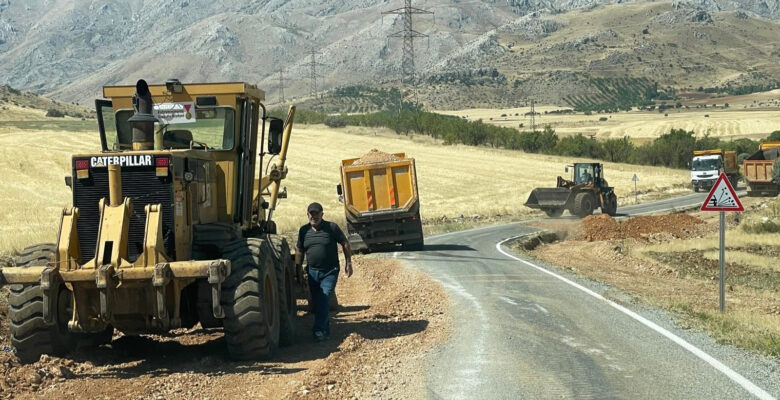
x=313 y=75
x=408 y=34
x=280 y=87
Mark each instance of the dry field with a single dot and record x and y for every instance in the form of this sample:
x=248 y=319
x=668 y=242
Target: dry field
x=453 y=180
x=743 y=118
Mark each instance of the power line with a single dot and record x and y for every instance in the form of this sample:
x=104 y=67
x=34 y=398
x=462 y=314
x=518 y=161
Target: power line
x=408 y=34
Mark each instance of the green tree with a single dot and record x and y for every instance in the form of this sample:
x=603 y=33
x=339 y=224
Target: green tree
x=619 y=150
x=774 y=136
x=579 y=146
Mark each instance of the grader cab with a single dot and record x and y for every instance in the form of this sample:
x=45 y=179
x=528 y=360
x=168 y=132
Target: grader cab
x=171 y=225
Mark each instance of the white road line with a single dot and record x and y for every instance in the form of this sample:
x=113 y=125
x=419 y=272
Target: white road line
x=736 y=377
x=508 y=300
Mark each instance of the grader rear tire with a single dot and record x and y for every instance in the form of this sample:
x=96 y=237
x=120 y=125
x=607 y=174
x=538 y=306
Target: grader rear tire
x=250 y=298
x=31 y=336
x=285 y=280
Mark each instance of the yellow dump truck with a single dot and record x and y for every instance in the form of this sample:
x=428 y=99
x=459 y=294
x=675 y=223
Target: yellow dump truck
x=707 y=165
x=382 y=207
x=758 y=170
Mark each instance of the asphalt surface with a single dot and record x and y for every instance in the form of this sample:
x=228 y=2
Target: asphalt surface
x=526 y=330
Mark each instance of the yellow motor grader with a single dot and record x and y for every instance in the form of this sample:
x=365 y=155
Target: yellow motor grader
x=171 y=225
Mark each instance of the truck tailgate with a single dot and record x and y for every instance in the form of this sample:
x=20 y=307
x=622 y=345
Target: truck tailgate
x=758 y=170
x=380 y=187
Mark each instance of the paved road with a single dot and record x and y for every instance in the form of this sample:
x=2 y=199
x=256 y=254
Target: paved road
x=529 y=330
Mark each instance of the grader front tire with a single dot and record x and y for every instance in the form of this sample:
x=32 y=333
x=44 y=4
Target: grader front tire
x=31 y=336
x=250 y=298
x=285 y=280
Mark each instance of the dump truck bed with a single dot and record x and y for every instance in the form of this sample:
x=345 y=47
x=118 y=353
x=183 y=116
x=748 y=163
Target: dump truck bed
x=379 y=187
x=381 y=203
x=758 y=169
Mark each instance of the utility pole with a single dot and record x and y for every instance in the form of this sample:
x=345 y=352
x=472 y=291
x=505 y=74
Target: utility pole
x=408 y=34
x=533 y=116
x=281 y=85
x=313 y=75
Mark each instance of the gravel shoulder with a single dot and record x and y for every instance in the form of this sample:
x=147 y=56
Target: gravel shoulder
x=390 y=316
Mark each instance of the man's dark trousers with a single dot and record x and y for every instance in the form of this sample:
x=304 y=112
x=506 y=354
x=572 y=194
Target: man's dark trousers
x=322 y=284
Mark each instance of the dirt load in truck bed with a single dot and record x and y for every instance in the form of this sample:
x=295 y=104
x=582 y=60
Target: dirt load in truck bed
x=375 y=156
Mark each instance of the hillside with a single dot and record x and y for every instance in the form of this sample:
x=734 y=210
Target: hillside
x=17 y=105
x=478 y=53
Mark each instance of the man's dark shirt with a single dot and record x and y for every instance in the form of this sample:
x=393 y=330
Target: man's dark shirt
x=321 y=246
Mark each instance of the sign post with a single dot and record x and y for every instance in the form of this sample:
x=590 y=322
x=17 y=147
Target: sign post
x=722 y=198
x=636 y=195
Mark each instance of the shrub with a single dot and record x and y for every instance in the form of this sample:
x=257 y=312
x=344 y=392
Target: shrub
x=766 y=226
x=603 y=119
x=776 y=172
x=54 y=113
x=335 y=121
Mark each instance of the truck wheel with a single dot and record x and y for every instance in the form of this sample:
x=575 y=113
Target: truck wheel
x=288 y=310
x=250 y=298
x=584 y=203
x=553 y=212
x=30 y=334
x=414 y=245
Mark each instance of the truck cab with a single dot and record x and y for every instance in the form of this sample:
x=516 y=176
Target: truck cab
x=707 y=165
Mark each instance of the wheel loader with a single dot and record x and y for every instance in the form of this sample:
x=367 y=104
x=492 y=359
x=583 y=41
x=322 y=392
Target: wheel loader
x=171 y=225
x=585 y=192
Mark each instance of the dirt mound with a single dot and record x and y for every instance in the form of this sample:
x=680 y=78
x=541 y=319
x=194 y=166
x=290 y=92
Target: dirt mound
x=603 y=227
x=375 y=156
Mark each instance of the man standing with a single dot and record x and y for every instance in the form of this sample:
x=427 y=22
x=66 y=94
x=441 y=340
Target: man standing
x=318 y=240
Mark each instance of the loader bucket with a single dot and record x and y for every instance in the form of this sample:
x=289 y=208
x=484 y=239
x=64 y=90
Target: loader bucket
x=548 y=198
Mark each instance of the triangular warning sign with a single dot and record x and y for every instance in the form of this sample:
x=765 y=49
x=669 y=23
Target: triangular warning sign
x=722 y=197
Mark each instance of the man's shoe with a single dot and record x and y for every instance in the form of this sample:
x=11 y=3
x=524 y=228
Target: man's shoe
x=320 y=337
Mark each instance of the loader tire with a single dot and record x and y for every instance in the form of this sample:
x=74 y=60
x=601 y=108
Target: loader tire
x=285 y=280
x=610 y=205
x=31 y=336
x=554 y=212
x=584 y=203
x=250 y=299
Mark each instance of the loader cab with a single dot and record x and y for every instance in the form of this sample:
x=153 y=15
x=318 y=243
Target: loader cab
x=585 y=173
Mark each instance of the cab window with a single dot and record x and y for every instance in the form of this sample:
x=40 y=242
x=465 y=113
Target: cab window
x=583 y=173
x=212 y=126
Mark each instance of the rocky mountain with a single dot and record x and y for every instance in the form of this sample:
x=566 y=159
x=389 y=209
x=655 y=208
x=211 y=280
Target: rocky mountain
x=68 y=49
